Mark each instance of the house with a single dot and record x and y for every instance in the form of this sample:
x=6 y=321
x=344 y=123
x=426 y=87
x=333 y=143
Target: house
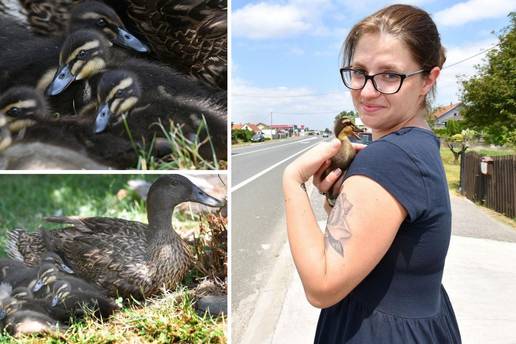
x=246 y=126
x=262 y=126
x=236 y=126
x=444 y=113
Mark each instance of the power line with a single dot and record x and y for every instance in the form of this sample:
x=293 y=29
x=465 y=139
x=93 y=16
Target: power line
x=337 y=93
x=472 y=56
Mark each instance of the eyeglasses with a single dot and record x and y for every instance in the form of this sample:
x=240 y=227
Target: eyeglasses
x=386 y=83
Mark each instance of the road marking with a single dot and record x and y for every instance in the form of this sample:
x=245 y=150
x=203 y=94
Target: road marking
x=264 y=149
x=259 y=174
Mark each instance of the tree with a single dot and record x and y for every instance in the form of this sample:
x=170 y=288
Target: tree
x=489 y=97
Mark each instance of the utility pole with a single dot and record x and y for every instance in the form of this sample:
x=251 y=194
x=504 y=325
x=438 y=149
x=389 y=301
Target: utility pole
x=272 y=137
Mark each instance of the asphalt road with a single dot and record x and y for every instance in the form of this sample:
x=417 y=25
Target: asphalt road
x=258 y=224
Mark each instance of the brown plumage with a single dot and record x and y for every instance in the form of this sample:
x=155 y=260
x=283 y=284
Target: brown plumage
x=126 y=258
x=189 y=35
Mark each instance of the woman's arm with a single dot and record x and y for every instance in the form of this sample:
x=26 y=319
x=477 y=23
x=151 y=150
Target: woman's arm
x=360 y=229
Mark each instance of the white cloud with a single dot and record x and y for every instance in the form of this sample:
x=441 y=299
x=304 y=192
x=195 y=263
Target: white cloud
x=447 y=84
x=265 y=20
x=250 y=103
x=474 y=10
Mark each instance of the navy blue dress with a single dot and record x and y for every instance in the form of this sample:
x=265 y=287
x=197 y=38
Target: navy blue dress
x=402 y=299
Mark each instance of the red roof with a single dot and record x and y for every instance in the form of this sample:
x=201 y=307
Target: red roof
x=253 y=127
x=282 y=126
x=441 y=110
x=236 y=126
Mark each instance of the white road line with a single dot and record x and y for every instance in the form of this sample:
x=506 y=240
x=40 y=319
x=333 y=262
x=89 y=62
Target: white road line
x=264 y=149
x=259 y=174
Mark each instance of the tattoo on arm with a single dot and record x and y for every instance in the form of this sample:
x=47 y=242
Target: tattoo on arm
x=337 y=228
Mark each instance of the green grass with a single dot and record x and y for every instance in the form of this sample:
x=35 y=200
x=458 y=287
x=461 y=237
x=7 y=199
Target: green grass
x=27 y=199
x=168 y=319
x=184 y=153
x=451 y=168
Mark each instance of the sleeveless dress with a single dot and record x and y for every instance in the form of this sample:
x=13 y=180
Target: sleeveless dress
x=402 y=299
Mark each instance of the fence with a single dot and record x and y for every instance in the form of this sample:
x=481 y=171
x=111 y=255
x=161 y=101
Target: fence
x=496 y=189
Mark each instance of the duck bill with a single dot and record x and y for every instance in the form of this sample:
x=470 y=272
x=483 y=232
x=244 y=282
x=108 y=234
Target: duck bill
x=202 y=197
x=125 y=39
x=102 y=119
x=61 y=81
x=65 y=268
x=37 y=286
x=55 y=301
x=3 y=314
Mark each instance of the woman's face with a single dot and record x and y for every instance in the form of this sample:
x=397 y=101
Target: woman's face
x=385 y=113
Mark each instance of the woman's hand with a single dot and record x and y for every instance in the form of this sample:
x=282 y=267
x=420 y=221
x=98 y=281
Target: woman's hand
x=333 y=181
x=301 y=169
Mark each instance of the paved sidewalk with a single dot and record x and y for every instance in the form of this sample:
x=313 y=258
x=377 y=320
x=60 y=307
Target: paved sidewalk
x=480 y=278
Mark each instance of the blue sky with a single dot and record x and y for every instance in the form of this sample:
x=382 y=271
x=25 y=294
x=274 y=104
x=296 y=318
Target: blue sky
x=285 y=54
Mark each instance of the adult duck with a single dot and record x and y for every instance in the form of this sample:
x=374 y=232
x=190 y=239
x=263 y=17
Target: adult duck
x=189 y=35
x=126 y=258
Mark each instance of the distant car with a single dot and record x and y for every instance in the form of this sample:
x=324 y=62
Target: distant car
x=259 y=137
x=326 y=134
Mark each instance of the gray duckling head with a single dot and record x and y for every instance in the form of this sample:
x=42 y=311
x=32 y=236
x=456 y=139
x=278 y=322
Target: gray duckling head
x=118 y=93
x=99 y=16
x=21 y=107
x=84 y=53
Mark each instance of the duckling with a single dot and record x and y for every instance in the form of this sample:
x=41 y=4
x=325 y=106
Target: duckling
x=191 y=35
x=44 y=142
x=94 y=14
x=59 y=16
x=22 y=107
x=25 y=107
x=122 y=99
x=26 y=316
x=17 y=274
x=125 y=258
x=74 y=296
x=43 y=52
x=86 y=53
x=343 y=128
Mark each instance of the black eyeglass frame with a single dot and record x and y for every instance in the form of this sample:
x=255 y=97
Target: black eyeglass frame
x=371 y=77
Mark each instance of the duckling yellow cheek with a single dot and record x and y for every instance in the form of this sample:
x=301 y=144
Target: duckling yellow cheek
x=128 y=104
x=93 y=67
x=76 y=67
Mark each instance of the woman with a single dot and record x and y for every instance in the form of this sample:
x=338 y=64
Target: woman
x=376 y=270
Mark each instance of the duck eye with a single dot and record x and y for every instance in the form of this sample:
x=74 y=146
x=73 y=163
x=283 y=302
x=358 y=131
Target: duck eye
x=14 y=112
x=119 y=93
x=101 y=22
x=82 y=54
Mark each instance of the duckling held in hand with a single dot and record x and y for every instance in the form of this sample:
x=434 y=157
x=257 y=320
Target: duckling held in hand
x=343 y=128
x=125 y=258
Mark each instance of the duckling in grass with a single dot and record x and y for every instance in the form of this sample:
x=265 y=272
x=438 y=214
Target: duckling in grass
x=73 y=297
x=17 y=274
x=25 y=315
